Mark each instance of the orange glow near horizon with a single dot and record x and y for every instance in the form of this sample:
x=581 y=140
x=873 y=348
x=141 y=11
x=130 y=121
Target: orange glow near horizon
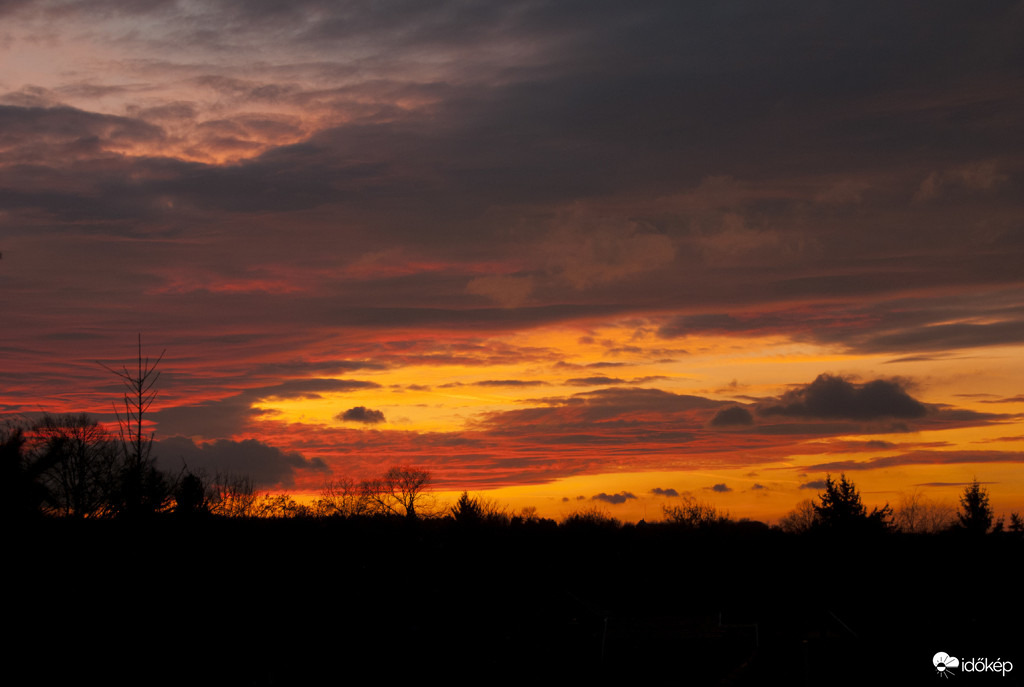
x=503 y=244
x=759 y=478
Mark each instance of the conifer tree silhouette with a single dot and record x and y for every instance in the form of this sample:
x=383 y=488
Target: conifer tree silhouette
x=841 y=508
x=975 y=513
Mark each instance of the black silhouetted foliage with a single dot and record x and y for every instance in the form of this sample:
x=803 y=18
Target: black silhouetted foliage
x=467 y=510
x=82 y=464
x=975 y=514
x=841 y=509
x=190 y=496
x=23 y=491
x=474 y=510
x=694 y=514
x=592 y=518
x=1016 y=523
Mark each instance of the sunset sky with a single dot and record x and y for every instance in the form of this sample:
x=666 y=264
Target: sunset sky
x=560 y=254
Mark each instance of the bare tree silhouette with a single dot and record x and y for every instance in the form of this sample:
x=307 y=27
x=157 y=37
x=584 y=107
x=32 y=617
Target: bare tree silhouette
x=401 y=491
x=81 y=459
x=143 y=488
x=694 y=513
x=915 y=513
x=342 y=497
x=801 y=519
x=232 y=496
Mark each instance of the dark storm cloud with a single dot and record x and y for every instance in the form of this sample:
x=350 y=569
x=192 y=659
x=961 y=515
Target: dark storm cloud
x=830 y=397
x=670 y=493
x=731 y=417
x=721 y=488
x=621 y=497
x=816 y=484
x=265 y=465
x=361 y=414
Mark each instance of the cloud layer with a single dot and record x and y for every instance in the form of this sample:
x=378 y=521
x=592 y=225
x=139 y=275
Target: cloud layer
x=503 y=227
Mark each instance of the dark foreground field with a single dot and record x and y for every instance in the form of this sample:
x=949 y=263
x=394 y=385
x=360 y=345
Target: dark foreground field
x=388 y=602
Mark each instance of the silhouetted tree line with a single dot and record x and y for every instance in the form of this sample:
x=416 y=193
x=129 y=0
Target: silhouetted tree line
x=416 y=579
x=70 y=466
x=840 y=510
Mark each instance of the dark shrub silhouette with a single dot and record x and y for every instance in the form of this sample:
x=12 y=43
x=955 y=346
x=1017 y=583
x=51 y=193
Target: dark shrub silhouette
x=190 y=496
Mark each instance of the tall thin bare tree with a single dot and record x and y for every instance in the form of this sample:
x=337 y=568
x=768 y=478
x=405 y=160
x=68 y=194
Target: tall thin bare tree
x=143 y=486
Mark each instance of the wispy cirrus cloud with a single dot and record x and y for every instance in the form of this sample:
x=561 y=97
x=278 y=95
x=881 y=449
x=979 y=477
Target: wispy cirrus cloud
x=954 y=457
